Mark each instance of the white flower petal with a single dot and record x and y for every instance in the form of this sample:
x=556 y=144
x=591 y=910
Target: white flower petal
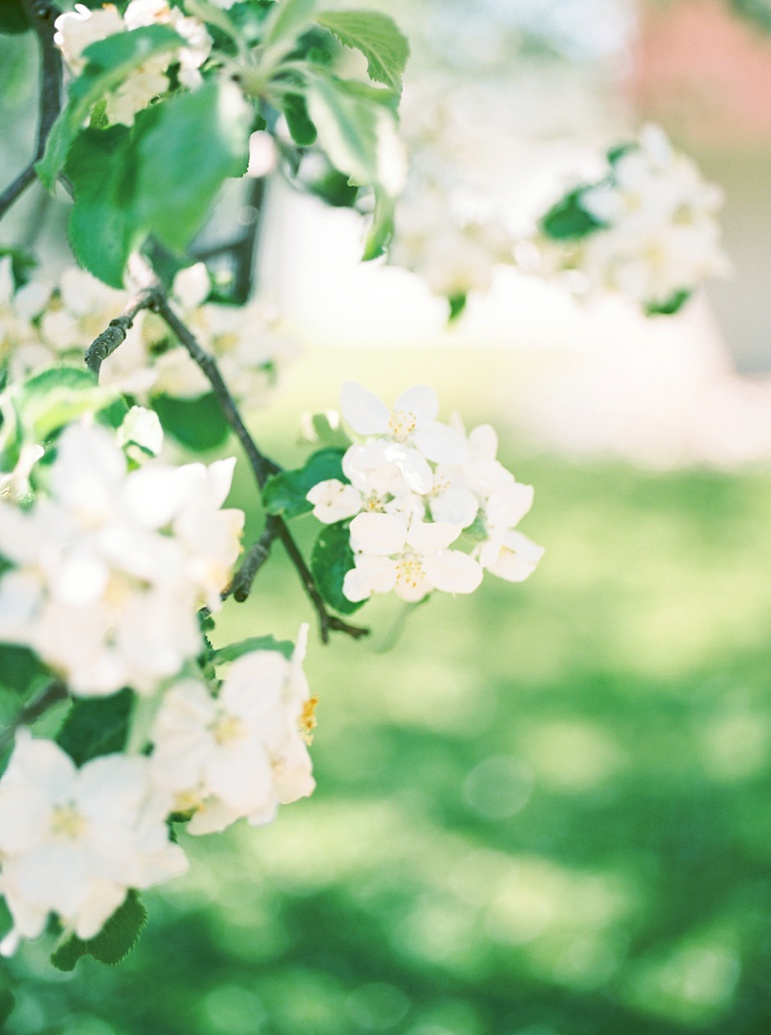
x=379 y=534
x=421 y=401
x=362 y=410
x=453 y=572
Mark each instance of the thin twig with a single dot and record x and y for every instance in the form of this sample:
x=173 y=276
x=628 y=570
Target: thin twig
x=41 y=17
x=117 y=330
x=50 y=695
x=261 y=465
x=241 y=584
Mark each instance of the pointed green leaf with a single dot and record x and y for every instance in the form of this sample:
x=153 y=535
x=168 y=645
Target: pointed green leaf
x=347 y=126
x=102 y=228
x=237 y=650
x=96 y=726
x=670 y=306
x=285 y=493
x=286 y=21
x=113 y=943
x=331 y=558
x=382 y=227
x=299 y=124
x=109 y=62
x=568 y=220
x=197 y=424
x=376 y=35
x=184 y=150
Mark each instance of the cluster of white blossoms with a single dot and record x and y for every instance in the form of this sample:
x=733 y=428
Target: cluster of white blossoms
x=43 y=323
x=656 y=233
x=77 y=29
x=104 y=576
x=108 y=571
x=237 y=753
x=415 y=487
x=73 y=841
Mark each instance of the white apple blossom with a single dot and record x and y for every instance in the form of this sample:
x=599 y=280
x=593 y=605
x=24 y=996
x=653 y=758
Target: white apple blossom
x=73 y=841
x=193 y=31
x=658 y=235
x=409 y=436
x=110 y=569
x=409 y=559
x=239 y=753
x=78 y=29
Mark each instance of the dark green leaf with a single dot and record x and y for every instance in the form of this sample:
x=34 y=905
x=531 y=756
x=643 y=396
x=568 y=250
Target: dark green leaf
x=12 y=17
x=96 y=726
x=285 y=493
x=20 y=669
x=333 y=188
x=457 y=304
x=376 y=35
x=328 y=434
x=22 y=265
x=113 y=943
x=331 y=558
x=619 y=151
x=103 y=230
x=197 y=423
x=670 y=306
x=568 y=220
x=109 y=62
x=184 y=151
x=296 y=113
x=236 y=650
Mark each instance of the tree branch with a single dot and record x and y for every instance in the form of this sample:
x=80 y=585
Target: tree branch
x=41 y=17
x=153 y=297
x=50 y=695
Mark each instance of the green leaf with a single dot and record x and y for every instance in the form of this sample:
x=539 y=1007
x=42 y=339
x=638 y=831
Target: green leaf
x=286 y=21
x=113 y=943
x=96 y=726
x=670 y=306
x=568 y=220
x=197 y=424
x=457 y=305
x=382 y=227
x=56 y=397
x=328 y=434
x=102 y=228
x=285 y=493
x=109 y=62
x=20 y=669
x=23 y=265
x=237 y=650
x=12 y=18
x=347 y=126
x=376 y=35
x=184 y=151
x=299 y=124
x=331 y=558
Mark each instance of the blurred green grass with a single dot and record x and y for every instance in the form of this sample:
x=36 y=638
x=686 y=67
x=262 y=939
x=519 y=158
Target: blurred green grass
x=545 y=811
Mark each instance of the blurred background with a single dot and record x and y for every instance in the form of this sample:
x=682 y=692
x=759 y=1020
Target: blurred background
x=544 y=809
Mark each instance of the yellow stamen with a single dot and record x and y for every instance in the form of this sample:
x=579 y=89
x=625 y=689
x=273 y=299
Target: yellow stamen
x=308 y=721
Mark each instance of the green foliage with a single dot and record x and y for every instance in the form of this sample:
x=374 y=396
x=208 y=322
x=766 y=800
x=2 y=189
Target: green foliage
x=382 y=227
x=96 y=726
x=757 y=11
x=22 y=265
x=109 y=62
x=20 y=669
x=296 y=113
x=377 y=37
x=57 y=396
x=12 y=20
x=286 y=21
x=184 y=151
x=237 y=650
x=568 y=219
x=102 y=227
x=285 y=493
x=457 y=304
x=328 y=434
x=331 y=558
x=670 y=306
x=196 y=423
x=113 y=943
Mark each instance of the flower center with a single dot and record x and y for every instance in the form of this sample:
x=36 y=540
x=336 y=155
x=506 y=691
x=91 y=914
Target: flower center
x=67 y=822
x=401 y=424
x=308 y=720
x=228 y=728
x=409 y=570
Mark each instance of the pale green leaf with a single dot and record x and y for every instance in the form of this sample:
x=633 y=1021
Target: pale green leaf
x=378 y=38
